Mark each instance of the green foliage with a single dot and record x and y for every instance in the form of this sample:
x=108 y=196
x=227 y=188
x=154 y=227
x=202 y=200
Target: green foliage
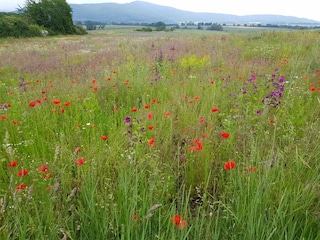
x=145 y=29
x=38 y=18
x=55 y=15
x=15 y=25
x=215 y=27
x=79 y=30
x=160 y=26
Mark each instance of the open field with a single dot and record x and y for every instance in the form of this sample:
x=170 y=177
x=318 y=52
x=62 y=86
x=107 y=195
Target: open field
x=129 y=135
x=191 y=30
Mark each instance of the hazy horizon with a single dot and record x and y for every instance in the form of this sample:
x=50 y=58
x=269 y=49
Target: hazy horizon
x=301 y=9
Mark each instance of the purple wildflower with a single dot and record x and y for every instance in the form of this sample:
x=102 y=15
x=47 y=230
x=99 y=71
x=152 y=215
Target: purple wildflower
x=127 y=119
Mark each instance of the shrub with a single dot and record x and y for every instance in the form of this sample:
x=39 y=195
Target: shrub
x=79 y=30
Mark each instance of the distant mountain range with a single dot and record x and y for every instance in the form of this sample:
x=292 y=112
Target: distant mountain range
x=144 y=12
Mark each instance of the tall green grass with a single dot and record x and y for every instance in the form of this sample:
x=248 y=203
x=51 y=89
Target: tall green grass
x=153 y=97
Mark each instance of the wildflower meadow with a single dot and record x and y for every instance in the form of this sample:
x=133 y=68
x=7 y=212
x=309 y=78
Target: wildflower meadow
x=167 y=135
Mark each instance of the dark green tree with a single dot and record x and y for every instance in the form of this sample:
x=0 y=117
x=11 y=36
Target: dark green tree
x=160 y=26
x=54 y=15
x=215 y=27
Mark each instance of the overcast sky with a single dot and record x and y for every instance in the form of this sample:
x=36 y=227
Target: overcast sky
x=305 y=9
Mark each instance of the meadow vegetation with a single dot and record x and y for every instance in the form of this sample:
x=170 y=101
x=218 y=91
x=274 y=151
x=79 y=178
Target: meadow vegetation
x=160 y=136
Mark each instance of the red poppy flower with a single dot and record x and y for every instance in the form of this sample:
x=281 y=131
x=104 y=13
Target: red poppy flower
x=193 y=148
x=197 y=147
x=151 y=142
x=13 y=163
x=56 y=102
x=229 y=165
x=21 y=186
x=23 y=172
x=104 y=138
x=135 y=218
x=150 y=115
x=147 y=106
x=39 y=101
x=67 y=104
x=215 y=109
x=178 y=221
x=271 y=121
x=313 y=89
x=32 y=104
x=80 y=161
x=3 y=117
x=201 y=120
x=15 y=122
x=225 y=134
x=43 y=169
x=78 y=149
x=167 y=114
x=203 y=135
x=151 y=127
x=134 y=109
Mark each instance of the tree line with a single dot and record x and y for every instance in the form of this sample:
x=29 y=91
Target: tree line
x=39 y=18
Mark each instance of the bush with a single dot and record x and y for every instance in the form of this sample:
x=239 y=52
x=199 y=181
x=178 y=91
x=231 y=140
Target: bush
x=5 y=28
x=147 y=29
x=17 y=26
x=35 y=30
x=215 y=27
x=79 y=30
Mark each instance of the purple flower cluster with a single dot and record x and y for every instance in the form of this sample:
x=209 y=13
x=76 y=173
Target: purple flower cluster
x=4 y=106
x=249 y=84
x=22 y=84
x=158 y=63
x=133 y=132
x=273 y=99
x=274 y=86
